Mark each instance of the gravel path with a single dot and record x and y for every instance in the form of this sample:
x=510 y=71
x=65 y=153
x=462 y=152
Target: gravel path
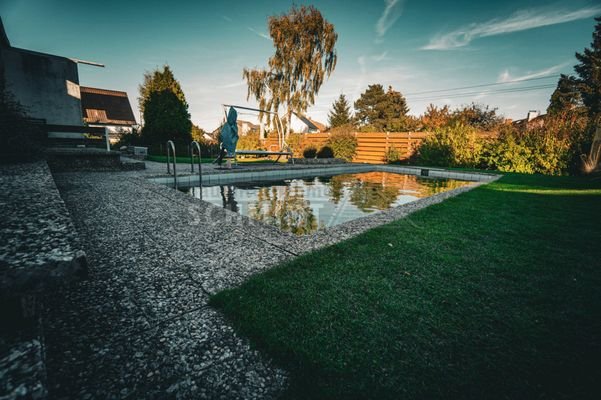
x=139 y=327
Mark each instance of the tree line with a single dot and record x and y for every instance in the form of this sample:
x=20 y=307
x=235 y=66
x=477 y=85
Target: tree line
x=377 y=110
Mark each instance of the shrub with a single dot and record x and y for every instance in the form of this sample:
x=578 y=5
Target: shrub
x=296 y=143
x=20 y=139
x=343 y=143
x=310 y=152
x=393 y=155
x=507 y=154
x=325 y=152
x=552 y=149
x=250 y=141
x=451 y=146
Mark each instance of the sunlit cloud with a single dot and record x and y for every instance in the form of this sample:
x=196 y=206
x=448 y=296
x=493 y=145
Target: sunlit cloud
x=392 y=11
x=506 y=76
x=261 y=34
x=520 y=21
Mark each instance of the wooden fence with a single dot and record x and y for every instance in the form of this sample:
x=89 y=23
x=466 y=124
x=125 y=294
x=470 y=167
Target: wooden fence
x=372 y=147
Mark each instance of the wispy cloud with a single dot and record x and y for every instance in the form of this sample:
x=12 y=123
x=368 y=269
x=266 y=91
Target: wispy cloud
x=226 y=18
x=392 y=11
x=380 y=57
x=519 y=21
x=505 y=76
x=256 y=32
x=231 y=85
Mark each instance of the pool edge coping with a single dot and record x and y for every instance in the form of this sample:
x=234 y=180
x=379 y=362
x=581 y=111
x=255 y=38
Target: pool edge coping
x=299 y=244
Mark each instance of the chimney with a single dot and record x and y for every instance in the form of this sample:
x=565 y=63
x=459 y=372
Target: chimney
x=533 y=114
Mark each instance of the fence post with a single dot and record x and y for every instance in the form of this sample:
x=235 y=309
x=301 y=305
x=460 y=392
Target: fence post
x=106 y=138
x=387 y=146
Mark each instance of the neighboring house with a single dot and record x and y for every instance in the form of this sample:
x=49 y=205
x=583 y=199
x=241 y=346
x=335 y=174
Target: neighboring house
x=302 y=124
x=244 y=127
x=46 y=85
x=107 y=108
x=534 y=119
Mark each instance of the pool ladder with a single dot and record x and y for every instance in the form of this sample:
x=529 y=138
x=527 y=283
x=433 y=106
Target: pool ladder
x=191 y=147
x=171 y=159
x=171 y=149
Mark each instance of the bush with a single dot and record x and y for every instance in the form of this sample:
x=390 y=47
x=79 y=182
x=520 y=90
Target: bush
x=20 y=139
x=343 y=143
x=553 y=149
x=325 y=152
x=393 y=155
x=507 y=154
x=309 y=152
x=296 y=143
x=451 y=146
x=250 y=141
x=132 y=138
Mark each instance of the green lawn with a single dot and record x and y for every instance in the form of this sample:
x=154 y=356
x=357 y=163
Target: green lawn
x=495 y=293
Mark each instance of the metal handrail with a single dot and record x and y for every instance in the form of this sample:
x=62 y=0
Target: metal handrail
x=171 y=146
x=193 y=145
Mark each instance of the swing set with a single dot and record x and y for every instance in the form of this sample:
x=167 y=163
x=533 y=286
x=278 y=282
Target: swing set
x=284 y=149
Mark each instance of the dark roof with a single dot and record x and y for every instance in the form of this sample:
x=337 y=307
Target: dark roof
x=104 y=106
x=538 y=120
x=310 y=123
x=321 y=127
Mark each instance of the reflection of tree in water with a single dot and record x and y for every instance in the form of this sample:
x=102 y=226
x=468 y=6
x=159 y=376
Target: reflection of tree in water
x=228 y=198
x=430 y=187
x=379 y=190
x=368 y=195
x=365 y=193
x=337 y=184
x=285 y=208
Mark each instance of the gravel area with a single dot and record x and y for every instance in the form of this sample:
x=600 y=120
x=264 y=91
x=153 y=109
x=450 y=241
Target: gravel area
x=139 y=327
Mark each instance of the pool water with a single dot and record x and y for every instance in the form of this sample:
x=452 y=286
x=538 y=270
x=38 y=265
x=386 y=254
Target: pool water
x=305 y=205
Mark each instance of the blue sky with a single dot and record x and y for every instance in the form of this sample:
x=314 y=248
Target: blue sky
x=415 y=46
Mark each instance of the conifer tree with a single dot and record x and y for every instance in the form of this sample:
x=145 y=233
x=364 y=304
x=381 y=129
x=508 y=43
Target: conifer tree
x=341 y=112
x=164 y=108
x=566 y=96
x=589 y=73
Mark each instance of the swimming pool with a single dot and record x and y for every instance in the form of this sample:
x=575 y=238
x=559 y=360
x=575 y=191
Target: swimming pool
x=306 y=205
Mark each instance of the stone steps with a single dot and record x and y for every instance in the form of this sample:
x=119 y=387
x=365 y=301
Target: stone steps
x=39 y=250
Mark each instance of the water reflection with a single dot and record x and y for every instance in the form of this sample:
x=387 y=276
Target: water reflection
x=286 y=208
x=228 y=197
x=303 y=206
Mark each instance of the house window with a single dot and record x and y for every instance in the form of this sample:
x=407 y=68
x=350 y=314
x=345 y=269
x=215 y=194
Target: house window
x=96 y=115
